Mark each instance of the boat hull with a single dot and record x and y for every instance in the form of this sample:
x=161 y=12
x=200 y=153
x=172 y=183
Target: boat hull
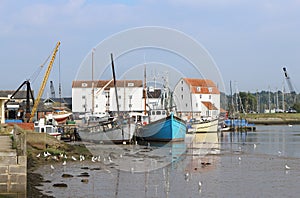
x=204 y=127
x=170 y=128
x=107 y=133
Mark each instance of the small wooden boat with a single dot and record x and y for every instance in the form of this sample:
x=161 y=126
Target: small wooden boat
x=203 y=126
x=59 y=116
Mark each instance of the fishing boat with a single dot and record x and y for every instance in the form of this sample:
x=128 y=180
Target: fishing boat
x=114 y=131
x=168 y=128
x=118 y=129
x=162 y=124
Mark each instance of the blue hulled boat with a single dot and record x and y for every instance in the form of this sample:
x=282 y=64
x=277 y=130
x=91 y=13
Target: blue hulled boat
x=169 y=128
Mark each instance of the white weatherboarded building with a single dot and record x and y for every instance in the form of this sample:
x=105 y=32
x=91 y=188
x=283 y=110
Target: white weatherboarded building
x=130 y=95
x=195 y=98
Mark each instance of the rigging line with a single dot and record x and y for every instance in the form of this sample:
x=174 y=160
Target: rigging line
x=37 y=72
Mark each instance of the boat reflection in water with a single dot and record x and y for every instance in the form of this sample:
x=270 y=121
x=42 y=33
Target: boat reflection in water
x=204 y=151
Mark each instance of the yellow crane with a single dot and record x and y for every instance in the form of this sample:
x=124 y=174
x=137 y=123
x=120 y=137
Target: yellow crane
x=41 y=90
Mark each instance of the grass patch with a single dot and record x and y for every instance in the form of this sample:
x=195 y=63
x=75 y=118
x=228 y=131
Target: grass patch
x=283 y=116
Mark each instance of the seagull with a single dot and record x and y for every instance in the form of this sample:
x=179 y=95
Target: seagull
x=290 y=125
x=254 y=146
x=64 y=163
x=109 y=159
x=55 y=158
x=121 y=155
x=73 y=158
x=82 y=158
x=287 y=167
x=186 y=176
x=65 y=156
x=239 y=158
x=38 y=155
x=52 y=167
x=99 y=158
x=45 y=154
x=200 y=185
x=61 y=155
x=94 y=159
x=279 y=153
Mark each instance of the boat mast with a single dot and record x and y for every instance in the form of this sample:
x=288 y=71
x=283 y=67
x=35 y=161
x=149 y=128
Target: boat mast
x=191 y=97
x=145 y=90
x=115 y=83
x=116 y=92
x=93 y=92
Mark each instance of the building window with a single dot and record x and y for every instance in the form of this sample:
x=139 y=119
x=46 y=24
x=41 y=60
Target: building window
x=182 y=97
x=196 y=104
x=198 y=89
x=119 y=97
x=83 y=106
x=84 y=85
x=200 y=95
x=130 y=84
x=209 y=96
x=181 y=88
x=186 y=105
x=210 y=89
x=96 y=105
x=182 y=82
x=130 y=97
x=83 y=97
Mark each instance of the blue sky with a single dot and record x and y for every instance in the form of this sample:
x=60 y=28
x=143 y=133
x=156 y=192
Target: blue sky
x=250 y=41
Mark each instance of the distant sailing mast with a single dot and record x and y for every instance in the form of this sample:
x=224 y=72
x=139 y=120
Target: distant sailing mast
x=145 y=91
x=93 y=90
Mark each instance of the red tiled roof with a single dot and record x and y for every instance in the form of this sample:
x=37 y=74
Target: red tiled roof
x=209 y=106
x=206 y=86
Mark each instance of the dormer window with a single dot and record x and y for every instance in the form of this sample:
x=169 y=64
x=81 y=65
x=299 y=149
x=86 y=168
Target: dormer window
x=84 y=84
x=130 y=84
x=209 y=89
x=198 y=89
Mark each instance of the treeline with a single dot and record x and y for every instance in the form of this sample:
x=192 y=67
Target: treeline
x=260 y=102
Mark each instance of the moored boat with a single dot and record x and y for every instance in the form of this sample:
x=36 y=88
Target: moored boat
x=43 y=126
x=169 y=128
x=203 y=126
x=113 y=131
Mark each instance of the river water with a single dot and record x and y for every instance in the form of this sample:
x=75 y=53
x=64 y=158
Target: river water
x=248 y=164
